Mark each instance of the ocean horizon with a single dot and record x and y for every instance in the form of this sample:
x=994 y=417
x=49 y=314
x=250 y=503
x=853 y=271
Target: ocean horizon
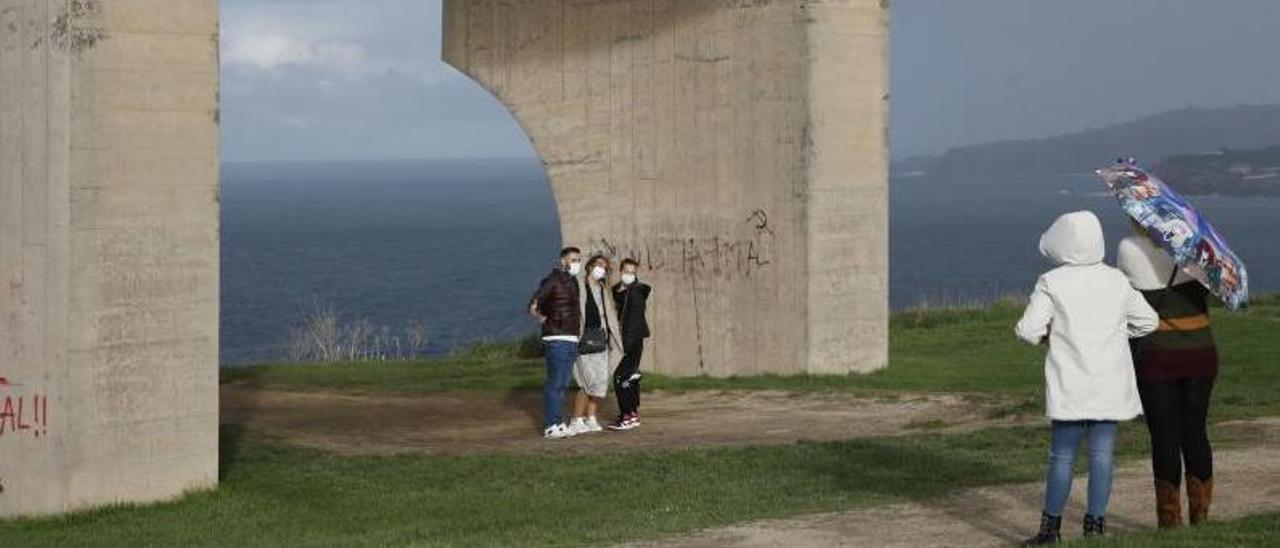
x=457 y=245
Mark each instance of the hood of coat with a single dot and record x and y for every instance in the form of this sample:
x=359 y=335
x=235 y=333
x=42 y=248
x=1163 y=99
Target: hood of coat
x=1147 y=265
x=1075 y=239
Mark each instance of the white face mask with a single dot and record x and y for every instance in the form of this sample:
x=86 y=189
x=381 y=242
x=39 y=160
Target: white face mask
x=628 y=278
x=598 y=272
x=575 y=268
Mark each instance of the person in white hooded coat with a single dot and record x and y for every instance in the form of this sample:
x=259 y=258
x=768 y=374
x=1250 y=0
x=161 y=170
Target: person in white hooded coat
x=1086 y=312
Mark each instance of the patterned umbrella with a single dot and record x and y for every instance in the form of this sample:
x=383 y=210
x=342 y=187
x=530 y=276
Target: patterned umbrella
x=1173 y=223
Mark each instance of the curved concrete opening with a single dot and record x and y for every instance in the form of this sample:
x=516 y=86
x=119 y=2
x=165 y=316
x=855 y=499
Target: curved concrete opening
x=737 y=148
x=369 y=187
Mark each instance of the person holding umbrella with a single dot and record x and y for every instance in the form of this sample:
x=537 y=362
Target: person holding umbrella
x=1177 y=259
x=1176 y=367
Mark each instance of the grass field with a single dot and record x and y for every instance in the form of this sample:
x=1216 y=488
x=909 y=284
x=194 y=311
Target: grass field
x=273 y=495
x=951 y=351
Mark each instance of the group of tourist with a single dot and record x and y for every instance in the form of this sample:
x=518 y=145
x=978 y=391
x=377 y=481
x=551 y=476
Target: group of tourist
x=1122 y=343
x=591 y=325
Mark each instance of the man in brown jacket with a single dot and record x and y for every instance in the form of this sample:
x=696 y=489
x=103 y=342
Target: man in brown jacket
x=558 y=306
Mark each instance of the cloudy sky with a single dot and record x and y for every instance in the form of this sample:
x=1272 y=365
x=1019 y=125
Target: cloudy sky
x=362 y=79
x=350 y=79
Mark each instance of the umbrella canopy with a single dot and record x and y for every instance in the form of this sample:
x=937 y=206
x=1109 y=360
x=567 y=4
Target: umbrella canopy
x=1177 y=227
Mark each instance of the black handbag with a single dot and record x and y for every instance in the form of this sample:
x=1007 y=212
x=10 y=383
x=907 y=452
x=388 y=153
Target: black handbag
x=594 y=341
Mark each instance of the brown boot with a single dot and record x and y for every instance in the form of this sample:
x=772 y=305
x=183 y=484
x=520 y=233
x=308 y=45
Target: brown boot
x=1199 y=496
x=1168 y=505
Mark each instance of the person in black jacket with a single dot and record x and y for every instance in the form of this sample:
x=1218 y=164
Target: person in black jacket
x=558 y=306
x=630 y=297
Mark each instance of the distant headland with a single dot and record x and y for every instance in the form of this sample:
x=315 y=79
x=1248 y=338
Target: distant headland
x=1234 y=150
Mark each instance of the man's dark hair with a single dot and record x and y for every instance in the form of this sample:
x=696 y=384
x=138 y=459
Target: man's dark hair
x=569 y=251
x=629 y=261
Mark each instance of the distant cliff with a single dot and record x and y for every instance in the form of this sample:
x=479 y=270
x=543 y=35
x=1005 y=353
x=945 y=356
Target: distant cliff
x=1235 y=172
x=1150 y=139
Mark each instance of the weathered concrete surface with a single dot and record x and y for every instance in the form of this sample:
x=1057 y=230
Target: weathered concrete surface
x=108 y=251
x=736 y=148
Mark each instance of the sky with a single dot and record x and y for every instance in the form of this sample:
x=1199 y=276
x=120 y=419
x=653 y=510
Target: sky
x=307 y=80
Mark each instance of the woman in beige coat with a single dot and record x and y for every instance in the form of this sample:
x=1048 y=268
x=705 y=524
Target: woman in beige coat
x=591 y=372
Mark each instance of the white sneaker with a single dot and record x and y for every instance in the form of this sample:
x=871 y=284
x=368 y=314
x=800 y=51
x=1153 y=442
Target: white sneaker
x=578 y=426
x=593 y=425
x=556 y=432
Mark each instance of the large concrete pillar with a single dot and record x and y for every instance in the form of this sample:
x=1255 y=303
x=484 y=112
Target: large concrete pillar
x=737 y=149
x=108 y=251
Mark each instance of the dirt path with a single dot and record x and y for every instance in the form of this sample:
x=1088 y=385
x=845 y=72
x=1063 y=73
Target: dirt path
x=479 y=423
x=1247 y=482
x=1248 y=477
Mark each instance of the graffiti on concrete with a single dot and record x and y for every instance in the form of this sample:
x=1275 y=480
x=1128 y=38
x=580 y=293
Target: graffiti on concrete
x=22 y=413
x=715 y=255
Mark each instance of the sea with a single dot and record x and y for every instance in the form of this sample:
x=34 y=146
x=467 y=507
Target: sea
x=457 y=245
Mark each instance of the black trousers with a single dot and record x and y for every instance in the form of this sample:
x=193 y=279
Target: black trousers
x=1176 y=412
x=628 y=391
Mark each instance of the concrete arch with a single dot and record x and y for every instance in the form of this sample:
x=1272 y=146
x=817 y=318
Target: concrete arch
x=736 y=149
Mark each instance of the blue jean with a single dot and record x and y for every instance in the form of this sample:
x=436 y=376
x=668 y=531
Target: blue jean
x=1067 y=436
x=560 y=358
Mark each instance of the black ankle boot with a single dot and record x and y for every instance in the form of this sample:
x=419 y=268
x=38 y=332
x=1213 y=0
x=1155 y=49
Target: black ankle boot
x=1095 y=526
x=1050 y=531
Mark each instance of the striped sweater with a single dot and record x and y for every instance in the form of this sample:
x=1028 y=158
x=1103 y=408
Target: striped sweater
x=1183 y=346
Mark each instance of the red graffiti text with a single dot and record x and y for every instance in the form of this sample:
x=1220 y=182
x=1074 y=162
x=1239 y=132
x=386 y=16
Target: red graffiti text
x=24 y=415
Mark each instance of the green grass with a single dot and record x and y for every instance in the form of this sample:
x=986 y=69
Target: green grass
x=1260 y=530
x=953 y=351
x=272 y=495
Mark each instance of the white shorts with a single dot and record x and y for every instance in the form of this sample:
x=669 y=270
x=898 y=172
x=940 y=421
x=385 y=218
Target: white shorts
x=591 y=372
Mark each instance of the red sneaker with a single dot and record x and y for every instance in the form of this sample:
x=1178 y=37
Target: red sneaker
x=626 y=422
